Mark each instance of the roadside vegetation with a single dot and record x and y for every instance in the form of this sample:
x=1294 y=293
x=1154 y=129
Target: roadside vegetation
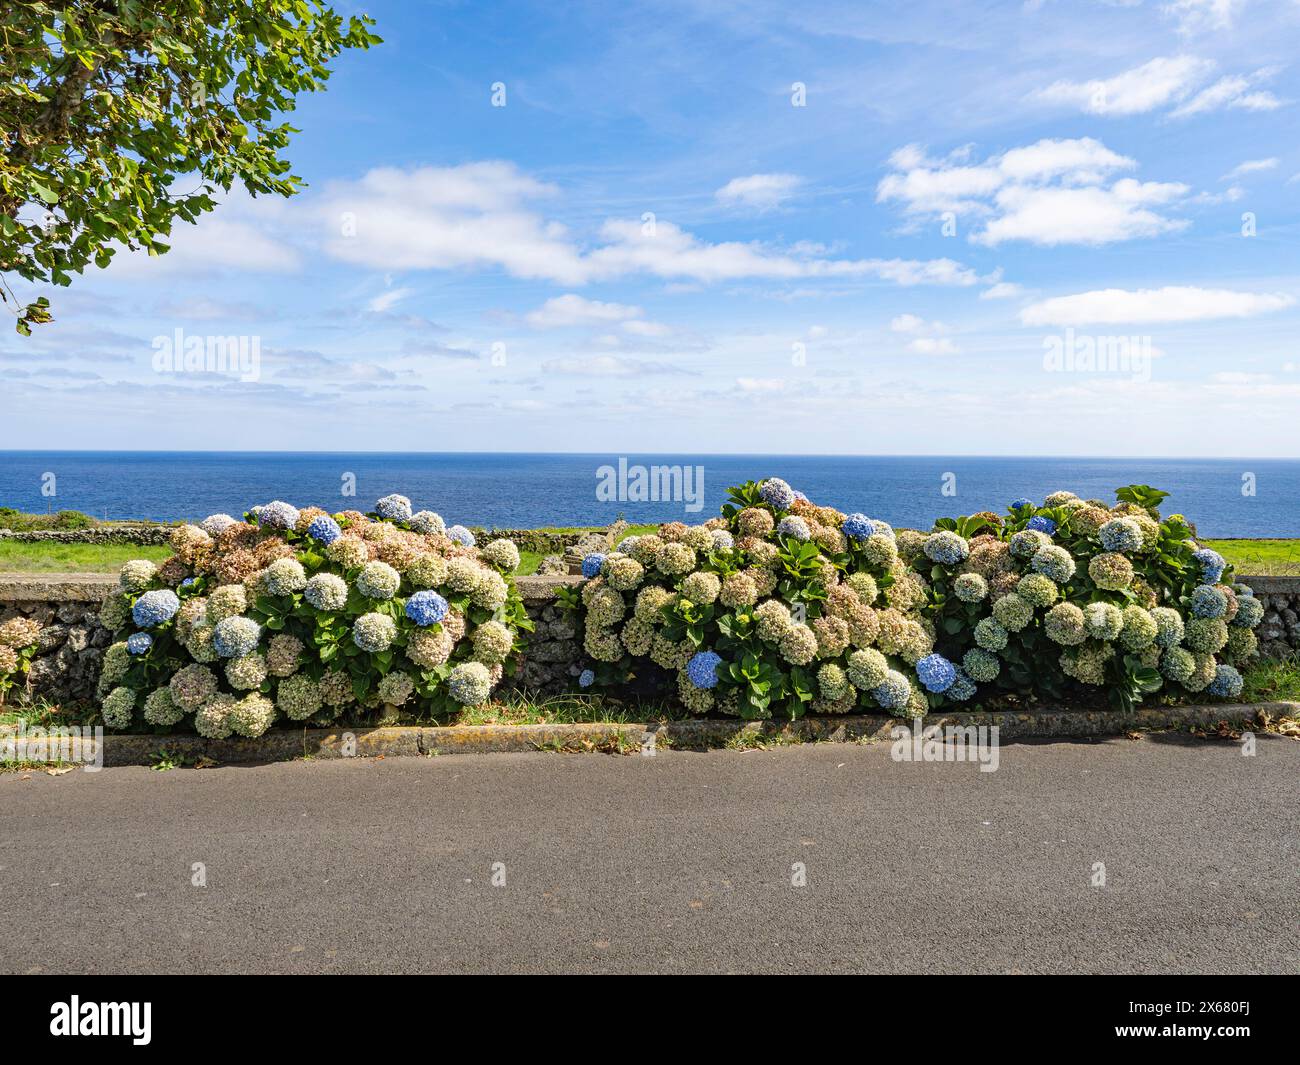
x=19 y=521
x=73 y=558
x=1272 y=680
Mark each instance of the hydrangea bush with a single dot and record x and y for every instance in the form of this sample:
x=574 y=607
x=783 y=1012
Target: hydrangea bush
x=303 y=616
x=776 y=608
x=1072 y=595
x=18 y=641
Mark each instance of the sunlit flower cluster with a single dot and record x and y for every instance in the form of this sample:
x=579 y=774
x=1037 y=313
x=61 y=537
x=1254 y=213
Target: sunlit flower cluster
x=299 y=613
x=1130 y=602
x=820 y=605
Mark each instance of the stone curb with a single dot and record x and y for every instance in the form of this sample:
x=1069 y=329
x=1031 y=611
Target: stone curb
x=406 y=741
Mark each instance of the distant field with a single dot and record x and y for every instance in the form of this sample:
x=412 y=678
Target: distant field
x=72 y=558
x=1260 y=557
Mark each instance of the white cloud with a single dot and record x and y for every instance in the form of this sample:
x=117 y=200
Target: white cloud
x=670 y=252
x=1250 y=166
x=1051 y=192
x=927 y=186
x=241 y=234
x=1173 y=303
x=1079 y=161
x=927 y=338
x=1161 y=81
x=1236 y=377
x=646 y=329
x=1231 y=92
x=907 y=323
x=760 y=192
x=1096 y=215
x=761 y=384
x=480 y=215
x=387 y=300
x=1196 y=16
x=570 y=310
x=933 y=346
x=1002 y=290
x=608 y=366
x=445 y=218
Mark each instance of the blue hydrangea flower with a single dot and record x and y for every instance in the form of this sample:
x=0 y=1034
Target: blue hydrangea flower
x=188 y=582
x=859 y=527
x=794 y=527
x=1121 y=534
x=138 y=643
x=1021 y=503
x=586 y=678
x=277 y=515
x=800 y=496
x=1041 y=524
x=776 y=493
x=936 y=673
x=394 y=508
x=426 y=521
x=702 y=669
x=1209 y=602
x=324 y=529
x=591 y=564
x=153 y=608
x=962 y=688
x=461 y=535
x=236 y=636
x=426 y=608
x=1250 y=612
x=1212 y=564
x=946 y=548
x=1227 y=682
x=894 y=692
x=722 y=540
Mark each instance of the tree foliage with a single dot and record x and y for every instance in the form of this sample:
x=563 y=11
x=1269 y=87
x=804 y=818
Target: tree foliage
x=120 y=117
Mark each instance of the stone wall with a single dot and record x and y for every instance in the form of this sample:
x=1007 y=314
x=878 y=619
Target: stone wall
x=137 y=535
x=1279 y=632
x=72 y=642
x=553 y=650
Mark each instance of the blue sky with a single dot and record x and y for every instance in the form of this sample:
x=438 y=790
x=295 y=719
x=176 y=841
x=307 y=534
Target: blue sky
x=660 y=244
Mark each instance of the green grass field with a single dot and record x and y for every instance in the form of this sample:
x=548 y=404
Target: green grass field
x=72 y=558
x=1260 y=557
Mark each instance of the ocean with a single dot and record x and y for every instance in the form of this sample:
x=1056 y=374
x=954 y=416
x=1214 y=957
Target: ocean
x=530 y=490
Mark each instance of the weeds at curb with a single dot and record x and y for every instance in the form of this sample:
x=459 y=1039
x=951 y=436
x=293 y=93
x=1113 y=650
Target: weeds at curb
x=166 y=759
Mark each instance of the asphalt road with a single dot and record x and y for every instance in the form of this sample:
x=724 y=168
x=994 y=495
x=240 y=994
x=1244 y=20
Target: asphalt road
x=677 y=863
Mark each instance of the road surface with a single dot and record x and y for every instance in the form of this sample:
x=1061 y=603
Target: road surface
x=828 y=857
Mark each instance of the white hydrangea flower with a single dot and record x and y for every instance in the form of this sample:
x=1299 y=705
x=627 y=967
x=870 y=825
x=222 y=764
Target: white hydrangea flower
x=137 y=575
